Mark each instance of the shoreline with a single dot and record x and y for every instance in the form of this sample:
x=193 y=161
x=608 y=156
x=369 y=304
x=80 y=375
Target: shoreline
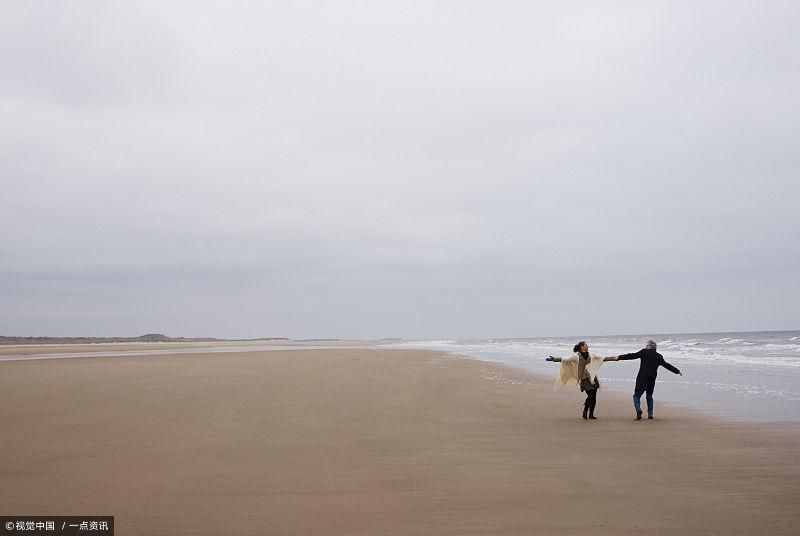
x=626 y=395
x=147 y=349
x=122 y=349
x=622 y=398
x=373 y=441
x=742 y=390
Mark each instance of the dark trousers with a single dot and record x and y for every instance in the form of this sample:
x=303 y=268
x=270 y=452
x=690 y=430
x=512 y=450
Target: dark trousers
x=644 y=385
x=591 y=401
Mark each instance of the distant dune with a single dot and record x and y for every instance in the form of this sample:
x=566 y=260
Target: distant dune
x=148 y=337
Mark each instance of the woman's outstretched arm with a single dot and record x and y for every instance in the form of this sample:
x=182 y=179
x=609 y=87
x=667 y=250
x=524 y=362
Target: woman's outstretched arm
x=611 y=358
x=573 y=357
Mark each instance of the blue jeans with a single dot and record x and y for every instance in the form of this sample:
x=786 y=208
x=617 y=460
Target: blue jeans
x=637 y=401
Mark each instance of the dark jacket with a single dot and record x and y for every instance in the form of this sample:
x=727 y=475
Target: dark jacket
x=649 y=362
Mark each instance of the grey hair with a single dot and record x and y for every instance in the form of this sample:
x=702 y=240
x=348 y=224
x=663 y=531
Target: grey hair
x=651 y=345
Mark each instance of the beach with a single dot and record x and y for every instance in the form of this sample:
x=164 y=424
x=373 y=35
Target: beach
x=373 y=441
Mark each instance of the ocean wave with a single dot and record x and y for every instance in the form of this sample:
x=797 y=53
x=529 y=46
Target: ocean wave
x=729 y=340
x=773 y=346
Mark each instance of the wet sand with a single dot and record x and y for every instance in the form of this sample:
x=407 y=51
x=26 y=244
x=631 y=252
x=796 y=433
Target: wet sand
x=128 y=347
x=343 y=441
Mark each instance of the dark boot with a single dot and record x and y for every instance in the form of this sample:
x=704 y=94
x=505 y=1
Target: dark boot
x=585 y=410
x=591 y=410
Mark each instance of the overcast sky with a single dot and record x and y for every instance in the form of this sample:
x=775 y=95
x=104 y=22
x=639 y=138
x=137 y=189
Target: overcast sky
x=398 y=169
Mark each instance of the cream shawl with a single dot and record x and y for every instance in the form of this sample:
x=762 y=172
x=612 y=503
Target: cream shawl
x=568 y=375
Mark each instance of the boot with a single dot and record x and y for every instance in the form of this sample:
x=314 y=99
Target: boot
x=591 y=412
x=585 y=410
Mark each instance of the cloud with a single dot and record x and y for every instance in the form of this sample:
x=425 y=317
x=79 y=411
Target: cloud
x=369 y=169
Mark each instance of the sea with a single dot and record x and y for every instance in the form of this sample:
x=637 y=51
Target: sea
x=748 y=376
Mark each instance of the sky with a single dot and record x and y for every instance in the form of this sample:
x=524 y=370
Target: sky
x=398 y=169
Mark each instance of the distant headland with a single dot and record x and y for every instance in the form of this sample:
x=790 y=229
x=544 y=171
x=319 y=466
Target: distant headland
x=148 y=337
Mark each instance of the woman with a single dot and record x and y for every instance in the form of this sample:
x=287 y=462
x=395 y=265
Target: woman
x=581 y=369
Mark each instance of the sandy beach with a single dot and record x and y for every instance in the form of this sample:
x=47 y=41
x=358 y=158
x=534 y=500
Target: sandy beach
x=371 y=442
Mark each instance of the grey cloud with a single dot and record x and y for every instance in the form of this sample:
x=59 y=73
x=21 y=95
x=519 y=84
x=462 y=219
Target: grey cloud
x=448 y=169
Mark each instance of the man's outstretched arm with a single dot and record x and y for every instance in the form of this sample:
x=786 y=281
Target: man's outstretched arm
x=627 y=357
x=670 y=368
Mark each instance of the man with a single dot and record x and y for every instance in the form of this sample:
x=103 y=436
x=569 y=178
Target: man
x=650 y=360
